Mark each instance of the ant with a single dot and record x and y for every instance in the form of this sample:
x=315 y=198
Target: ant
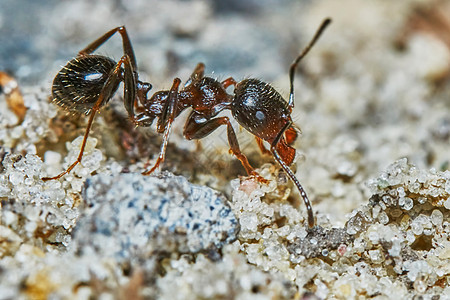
x=256 y=105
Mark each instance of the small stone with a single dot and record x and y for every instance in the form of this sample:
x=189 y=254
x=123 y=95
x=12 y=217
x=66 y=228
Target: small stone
x=401 y=192
x=52 y=157
x=249 y=221
x=342 y=249
x=131 y=213
x=422 y=200
x=437 y=217
x=376 y=256
x=406 y=203
x=375 y=211
x=395 y=249
x=383 y=218
x=447 y=203
x=416 y=227
x=420 y=286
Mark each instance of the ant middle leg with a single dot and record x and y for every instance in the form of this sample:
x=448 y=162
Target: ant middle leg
x=105 y=94
x=196 y=130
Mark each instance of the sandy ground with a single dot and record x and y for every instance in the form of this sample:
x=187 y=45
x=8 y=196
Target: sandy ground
x=373 y=91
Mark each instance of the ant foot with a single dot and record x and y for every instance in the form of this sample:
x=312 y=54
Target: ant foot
x=148 y=172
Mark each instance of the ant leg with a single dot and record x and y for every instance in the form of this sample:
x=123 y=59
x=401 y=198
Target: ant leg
x=291 y=174
x=105 y=94
x=129 y=91
x=168 y=112
x=127 y=48
x=261 y=146
x=166 y=120
x=318 y=33
x=195 y=130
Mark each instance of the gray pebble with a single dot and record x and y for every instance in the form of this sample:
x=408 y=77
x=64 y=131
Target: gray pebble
x=130 y=214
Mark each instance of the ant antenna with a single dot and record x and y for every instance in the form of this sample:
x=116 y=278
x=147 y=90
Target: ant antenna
x=294 y=179
x=305 y=51
x=291 y=174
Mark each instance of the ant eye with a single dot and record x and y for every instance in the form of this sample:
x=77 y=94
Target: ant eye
x=260 y=115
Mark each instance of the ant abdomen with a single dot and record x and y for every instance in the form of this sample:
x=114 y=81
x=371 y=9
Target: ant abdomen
x=80 y=82
x=260 y=109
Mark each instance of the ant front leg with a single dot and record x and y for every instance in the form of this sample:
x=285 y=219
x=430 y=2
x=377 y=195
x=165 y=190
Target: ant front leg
x=198 y=72
x=166 y=120
x=105 y=94
x=261 y=146
x=198 y=130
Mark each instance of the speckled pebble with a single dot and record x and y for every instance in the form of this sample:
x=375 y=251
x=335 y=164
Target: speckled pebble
x=128 y=214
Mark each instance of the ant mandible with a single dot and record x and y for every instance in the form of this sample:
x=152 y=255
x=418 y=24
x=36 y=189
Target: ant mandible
x=89 y=81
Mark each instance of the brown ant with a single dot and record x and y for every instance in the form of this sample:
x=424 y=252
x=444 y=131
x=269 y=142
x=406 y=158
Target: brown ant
x=256 y=105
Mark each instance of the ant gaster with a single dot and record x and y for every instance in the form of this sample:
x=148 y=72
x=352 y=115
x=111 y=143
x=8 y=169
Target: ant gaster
x=88 y=82
x=256 y=105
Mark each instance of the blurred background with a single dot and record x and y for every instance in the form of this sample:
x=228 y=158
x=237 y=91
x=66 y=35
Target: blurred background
x=231 y=37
